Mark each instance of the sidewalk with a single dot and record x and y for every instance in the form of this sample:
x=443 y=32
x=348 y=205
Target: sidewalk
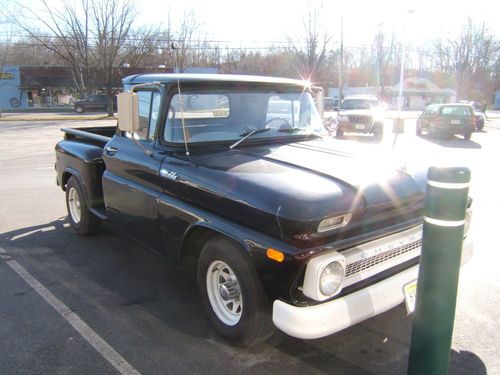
x=49 y=116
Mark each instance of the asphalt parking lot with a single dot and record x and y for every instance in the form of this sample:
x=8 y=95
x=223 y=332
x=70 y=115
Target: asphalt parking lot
x=104 y=304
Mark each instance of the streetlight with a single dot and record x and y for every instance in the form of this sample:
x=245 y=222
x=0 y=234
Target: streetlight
x=401 y=74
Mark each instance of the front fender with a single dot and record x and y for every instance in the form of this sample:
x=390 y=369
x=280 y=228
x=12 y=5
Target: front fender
x=185 y=229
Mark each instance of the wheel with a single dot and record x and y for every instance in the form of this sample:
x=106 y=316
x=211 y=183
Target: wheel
x=467 y=135
x=232 y=294
x=418 y=131
x=339 y=133
x=81 y=219
x=79 y=109
x=378 y=133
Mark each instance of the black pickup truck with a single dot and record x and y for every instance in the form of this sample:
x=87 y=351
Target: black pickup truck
x=286 y=228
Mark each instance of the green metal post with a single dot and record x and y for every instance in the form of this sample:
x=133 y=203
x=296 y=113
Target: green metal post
x=445 y=206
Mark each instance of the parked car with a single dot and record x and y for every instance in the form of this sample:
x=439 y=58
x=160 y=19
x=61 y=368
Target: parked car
x=92 y=103
x=478 y=107
x=287 y=230
x=331 y=104
x=360 y=114
x=447 y=120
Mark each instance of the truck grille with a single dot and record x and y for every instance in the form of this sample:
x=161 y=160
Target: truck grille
x=360 y=119
x=365 y=264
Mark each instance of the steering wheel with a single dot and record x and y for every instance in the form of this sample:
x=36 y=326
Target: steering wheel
x=286 y=123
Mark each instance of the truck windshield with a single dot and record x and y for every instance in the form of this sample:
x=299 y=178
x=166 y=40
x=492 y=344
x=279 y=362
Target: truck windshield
x=226 y=115
x=359 y=104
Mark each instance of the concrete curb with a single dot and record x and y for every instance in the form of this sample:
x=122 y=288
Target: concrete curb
x=56 y=118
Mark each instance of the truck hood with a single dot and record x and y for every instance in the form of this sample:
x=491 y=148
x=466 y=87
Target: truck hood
x=288 y=190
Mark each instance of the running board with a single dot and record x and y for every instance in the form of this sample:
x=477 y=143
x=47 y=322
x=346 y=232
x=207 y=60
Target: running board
x=99 y=212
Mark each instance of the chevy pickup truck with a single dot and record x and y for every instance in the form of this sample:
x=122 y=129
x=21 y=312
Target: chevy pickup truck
x=287 y=230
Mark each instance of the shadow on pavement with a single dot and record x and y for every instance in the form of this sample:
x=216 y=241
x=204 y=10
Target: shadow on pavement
x=109 y=274
x=454 y=142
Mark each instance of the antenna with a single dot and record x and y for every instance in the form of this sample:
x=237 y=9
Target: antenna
x=174 y=46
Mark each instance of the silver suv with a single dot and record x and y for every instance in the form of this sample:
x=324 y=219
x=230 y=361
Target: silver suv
x=361 y=114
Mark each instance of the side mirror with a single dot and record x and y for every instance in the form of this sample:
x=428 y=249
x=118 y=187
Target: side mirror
x=128 y=112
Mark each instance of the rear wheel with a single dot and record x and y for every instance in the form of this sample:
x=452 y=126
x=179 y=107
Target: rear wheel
x=232 y=294
x=81 y=219
x=79 y=109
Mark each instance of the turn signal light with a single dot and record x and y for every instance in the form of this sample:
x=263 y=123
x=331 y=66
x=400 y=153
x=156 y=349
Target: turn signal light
x=276 y=255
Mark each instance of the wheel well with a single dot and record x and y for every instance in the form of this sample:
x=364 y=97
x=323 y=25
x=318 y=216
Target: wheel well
x=65 y=178
x=194 y=241
x=196 y=238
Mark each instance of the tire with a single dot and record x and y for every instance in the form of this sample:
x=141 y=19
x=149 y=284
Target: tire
x=467 y=136
x=339 y=133
x=231 y=293
x=81 y=219
x=378 y=133
x=418 y=131
x=79 y=109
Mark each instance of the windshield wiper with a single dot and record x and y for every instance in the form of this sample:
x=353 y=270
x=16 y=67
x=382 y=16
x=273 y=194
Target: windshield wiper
x=290 y=130
x=248 y=134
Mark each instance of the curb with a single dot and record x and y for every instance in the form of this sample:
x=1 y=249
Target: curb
x=55 y=118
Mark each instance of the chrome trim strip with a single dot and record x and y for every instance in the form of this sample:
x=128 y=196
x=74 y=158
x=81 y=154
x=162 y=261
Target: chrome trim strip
x=448 y=185
x=444 y=223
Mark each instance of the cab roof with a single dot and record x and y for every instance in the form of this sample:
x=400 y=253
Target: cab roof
x=213 y=78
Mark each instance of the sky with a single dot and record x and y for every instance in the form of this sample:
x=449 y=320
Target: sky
x=275 y=20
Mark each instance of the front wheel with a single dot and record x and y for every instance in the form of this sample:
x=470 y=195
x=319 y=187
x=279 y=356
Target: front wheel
x=339 y=133
x=232 y=294
x=467 y=135
x=80 y=217
x=79 y=109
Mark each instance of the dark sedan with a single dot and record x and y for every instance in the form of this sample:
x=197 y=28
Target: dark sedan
x=447 y=120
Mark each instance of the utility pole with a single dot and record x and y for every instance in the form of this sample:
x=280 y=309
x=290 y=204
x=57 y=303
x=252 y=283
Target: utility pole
x=341 y=67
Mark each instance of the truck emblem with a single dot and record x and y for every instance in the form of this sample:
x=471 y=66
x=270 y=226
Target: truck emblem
x=168 y=174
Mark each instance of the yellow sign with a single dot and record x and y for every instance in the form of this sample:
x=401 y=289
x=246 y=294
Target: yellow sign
x=4 y=75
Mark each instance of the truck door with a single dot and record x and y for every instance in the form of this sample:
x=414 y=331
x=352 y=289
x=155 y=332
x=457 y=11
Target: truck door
x=131 y=180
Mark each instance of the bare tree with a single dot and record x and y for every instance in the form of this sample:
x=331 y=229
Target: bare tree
x=66 y=35
x=470 y=56
x=111 y=21
x=384 y=55
x=310 y=50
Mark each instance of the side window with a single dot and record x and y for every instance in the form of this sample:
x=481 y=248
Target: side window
x=149 y=106
x=155 y=111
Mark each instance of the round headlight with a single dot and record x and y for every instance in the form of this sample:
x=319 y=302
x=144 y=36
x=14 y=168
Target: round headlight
x=331 y=279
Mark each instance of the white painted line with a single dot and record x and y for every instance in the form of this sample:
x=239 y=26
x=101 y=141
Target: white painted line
x=448 y=185
x=444 y=223
x=102 y=347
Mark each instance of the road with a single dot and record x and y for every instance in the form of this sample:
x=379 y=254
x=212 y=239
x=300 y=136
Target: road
x=148 y=313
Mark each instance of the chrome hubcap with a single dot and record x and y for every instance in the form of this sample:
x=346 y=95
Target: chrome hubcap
x=74 y=205
x=224 y=293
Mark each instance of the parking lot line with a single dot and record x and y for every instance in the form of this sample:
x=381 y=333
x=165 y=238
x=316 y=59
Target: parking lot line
x=102 y=347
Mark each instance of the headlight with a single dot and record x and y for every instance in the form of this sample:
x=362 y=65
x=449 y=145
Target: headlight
x=331 y=279
x=324 y=276
x=343 y=118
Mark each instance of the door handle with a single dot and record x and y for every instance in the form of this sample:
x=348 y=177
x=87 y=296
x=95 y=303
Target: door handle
x=110 y=150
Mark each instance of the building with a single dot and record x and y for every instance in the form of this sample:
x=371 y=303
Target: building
x=417 y=93
x=24 y=87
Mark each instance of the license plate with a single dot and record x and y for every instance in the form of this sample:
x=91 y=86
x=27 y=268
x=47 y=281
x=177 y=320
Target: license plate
x=410 y=292
x=455 y=122
x=360 y=126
